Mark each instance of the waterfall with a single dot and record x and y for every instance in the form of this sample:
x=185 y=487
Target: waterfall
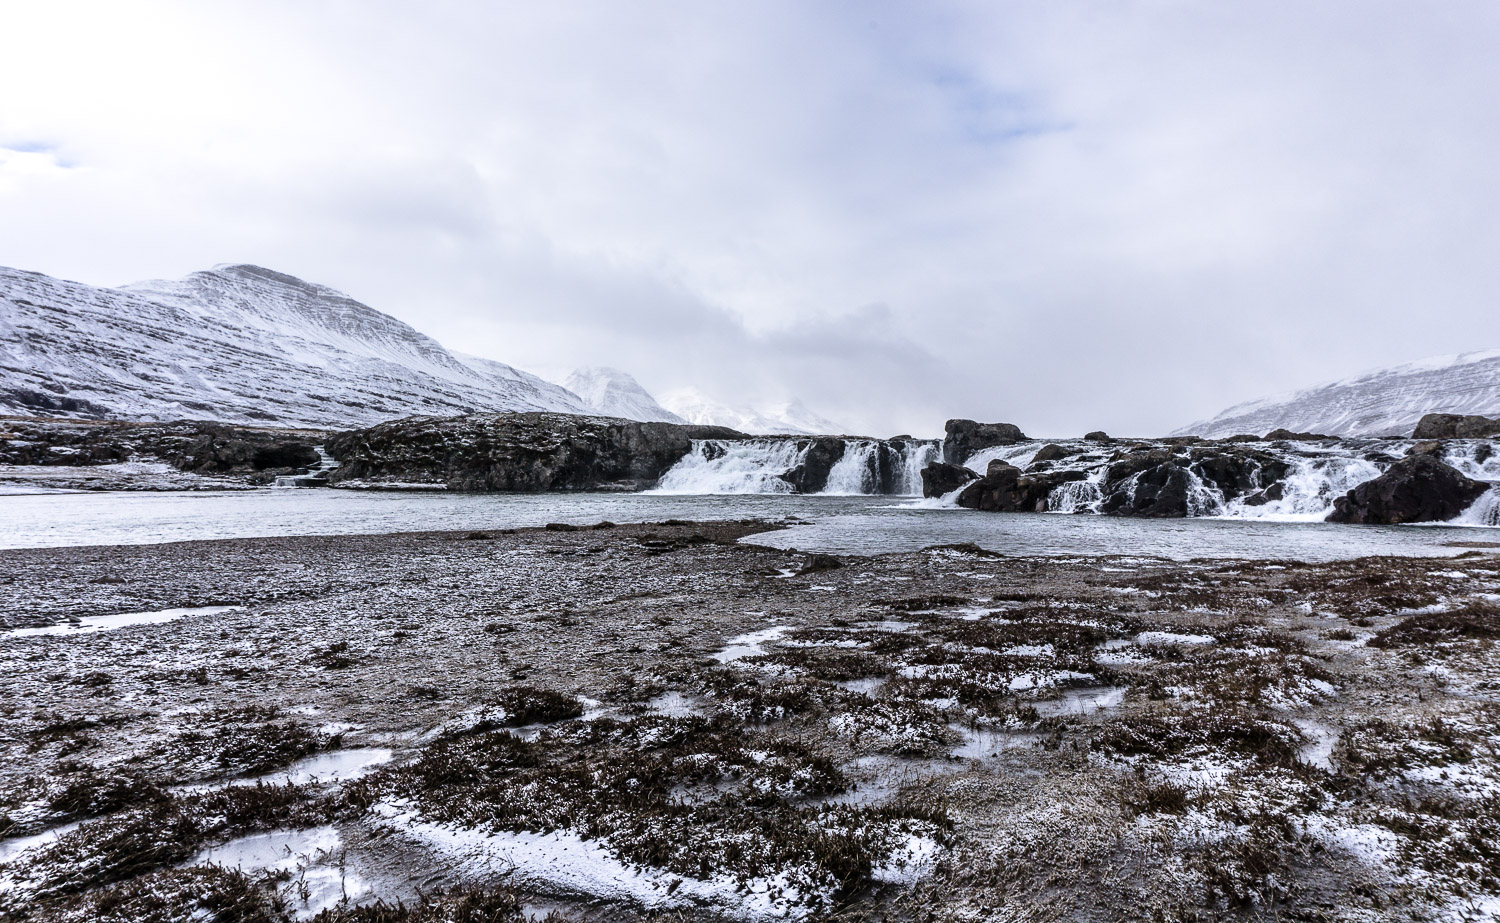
x=914 y=457
x=757 y=466
x=311 y=477
x=1484 y=512
x=856 y=472
x=733 y=466
x=1309 y=489
x=1078 y=496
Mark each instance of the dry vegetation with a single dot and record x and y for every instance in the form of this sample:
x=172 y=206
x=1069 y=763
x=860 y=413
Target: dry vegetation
x=654 y=722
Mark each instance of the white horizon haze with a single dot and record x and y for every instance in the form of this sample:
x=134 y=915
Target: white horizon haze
x=1069 y=216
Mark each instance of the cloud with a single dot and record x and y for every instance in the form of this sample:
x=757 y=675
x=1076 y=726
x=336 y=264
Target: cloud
x=1072 y=215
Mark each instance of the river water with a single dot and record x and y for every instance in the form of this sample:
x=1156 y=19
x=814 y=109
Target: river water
x=837 y=524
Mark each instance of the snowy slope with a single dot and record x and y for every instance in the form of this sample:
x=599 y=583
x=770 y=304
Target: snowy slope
x=240 y=344
x=790 y=417
x=615 y=394
x=1386 y=402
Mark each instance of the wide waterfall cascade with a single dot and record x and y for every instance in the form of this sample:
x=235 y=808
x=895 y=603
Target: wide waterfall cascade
x=740 y=466
x=1316 y=474
x=762 y=466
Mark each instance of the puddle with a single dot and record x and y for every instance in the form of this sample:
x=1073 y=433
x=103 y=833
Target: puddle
x=11 y=849
x=864 y=686
x=319 y=769
x=1082 y=701
x=750 y=645
x=674 y=705
x=1168 y=637
x=95 y=623
x=981 y=743
x=314 y=860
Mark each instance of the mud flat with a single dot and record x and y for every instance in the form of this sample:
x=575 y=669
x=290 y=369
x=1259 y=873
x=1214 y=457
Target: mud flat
x=661 y=722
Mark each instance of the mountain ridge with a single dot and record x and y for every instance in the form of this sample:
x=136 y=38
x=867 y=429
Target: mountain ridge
x=1381 y=402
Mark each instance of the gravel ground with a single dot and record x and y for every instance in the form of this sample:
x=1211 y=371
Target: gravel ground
x=655 y=722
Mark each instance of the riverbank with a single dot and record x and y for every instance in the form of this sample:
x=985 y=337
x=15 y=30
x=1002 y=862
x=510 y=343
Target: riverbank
x=660 y=717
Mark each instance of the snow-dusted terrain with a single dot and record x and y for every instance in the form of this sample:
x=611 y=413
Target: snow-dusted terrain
x=614 y=393
x=239 y=344
x=1386 y=402
x=788 y=418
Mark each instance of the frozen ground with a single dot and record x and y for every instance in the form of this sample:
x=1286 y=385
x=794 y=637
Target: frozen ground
x=659 y=722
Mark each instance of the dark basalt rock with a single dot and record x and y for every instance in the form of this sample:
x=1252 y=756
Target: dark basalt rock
x=940 y=479
x=188 y=445
x=1050 y=452
x=1455 y=426
x=1236 y=471
x=1158 y=492
x=1244 y=437
x=1418 y=488
x=1286 y=434
x=1432 y=447
x=963 y=438
x=1007 y=489
x=525 y=452
x=1097 y=435
x=811 y=475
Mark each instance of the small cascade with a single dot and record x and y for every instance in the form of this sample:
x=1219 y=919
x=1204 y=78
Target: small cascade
x=857 y=472
x=1309 y=488
x=734 y=466
x=1078 y=496
x=1484 y=512
x=1478 y=459
x=1203 y=498
x=914 y=457
x=310 y=477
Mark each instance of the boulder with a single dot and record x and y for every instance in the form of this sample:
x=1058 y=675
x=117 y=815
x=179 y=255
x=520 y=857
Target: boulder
x=1455 y=426
x=811 y=475
x=525 y=452
x=1418 y=488
x=963 y=438
x=1433 y=447
x=1050 y=452
x=940 y=479
x=1238 y=471
x=1007 y=489
x=1288 y=435
x=1097 y=435
x=1158 y=492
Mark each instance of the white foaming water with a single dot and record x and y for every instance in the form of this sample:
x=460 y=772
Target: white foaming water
x=1484 y=512
x=1019 y=455
x=750 y=466
x=855 y=472
x=758 y=466
x=1078 y=496
x=1309 y=489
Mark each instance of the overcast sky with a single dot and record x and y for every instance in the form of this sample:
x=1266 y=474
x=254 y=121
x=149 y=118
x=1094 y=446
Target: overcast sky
x=1066 y=215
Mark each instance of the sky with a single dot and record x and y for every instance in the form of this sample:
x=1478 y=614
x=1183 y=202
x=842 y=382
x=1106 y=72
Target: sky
x=1067 y=215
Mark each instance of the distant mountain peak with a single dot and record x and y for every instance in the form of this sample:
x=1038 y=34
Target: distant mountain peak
x=1381 y=402
x=238 y=343
x=614 y=393
x=788 y=417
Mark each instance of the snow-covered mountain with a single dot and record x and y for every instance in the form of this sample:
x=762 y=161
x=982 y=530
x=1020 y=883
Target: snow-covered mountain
x=240 y=344
x=1386 y=402
x=791 y=417
x=614 y=393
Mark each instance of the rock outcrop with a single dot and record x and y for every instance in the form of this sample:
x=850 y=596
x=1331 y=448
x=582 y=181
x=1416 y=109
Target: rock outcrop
x=940 y=479
x=523 y=452
x=1418 y=488
x=187 y=445
x=963 y=438
x=1455 y=426
x=811 y=476
x=1290 y=436
x=1007 y=489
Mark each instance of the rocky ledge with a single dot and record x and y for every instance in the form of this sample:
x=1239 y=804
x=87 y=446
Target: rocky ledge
x=525 y=452
x=1455 y=426
x=74 y=449
x=1293 y=473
